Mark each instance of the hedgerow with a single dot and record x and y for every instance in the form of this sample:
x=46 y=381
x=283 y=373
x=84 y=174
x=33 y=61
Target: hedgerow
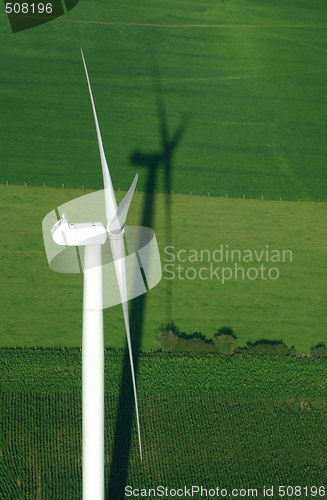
x=224 y=341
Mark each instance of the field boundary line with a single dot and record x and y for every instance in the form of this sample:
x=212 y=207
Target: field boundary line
x=188 y=193
x=126 y=23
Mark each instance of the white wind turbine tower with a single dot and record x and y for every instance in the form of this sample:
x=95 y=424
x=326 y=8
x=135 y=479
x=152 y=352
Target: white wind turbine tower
x=92 y=236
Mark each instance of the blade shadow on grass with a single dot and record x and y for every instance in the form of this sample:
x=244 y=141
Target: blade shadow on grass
x=126 y=406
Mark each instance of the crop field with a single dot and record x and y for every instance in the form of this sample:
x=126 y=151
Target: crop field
x=238 y=422
x=243 y=80
x=291 y=307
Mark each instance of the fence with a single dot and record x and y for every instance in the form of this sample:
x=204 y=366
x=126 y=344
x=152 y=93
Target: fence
x=172 y=192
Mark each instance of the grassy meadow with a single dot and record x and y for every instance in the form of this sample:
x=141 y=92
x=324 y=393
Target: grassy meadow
x=291 y=307
x=248 y=76
x=245 y=81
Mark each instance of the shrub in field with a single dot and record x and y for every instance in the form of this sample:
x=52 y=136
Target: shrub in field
x=226 y=330
x=225 y=340
x=172 y=339
x=319 y=350
x=265 y=346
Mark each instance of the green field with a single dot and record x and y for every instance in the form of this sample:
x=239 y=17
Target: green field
x=249 y=76
x=292 y=307
x=205 y=420
x=225 y=99
x=247 y=79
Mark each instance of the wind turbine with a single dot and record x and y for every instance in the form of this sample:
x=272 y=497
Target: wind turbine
x=92 y=236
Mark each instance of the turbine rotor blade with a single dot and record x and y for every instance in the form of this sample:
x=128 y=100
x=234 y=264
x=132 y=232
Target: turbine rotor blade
x=116 y=218
x=118 y=253
x=118 y=223
x=129 y=343
x=109 y=195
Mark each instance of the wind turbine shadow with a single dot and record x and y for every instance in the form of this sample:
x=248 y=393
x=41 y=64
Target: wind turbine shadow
x=126 y=406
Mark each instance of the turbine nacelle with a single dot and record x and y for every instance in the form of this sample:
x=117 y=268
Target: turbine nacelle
x=81 y=234
x=86 y=233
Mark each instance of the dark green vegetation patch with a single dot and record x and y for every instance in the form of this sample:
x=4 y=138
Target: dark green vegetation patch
x=237 y=422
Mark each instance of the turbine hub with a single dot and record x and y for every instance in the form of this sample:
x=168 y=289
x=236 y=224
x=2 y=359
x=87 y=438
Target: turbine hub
x=114 y=235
